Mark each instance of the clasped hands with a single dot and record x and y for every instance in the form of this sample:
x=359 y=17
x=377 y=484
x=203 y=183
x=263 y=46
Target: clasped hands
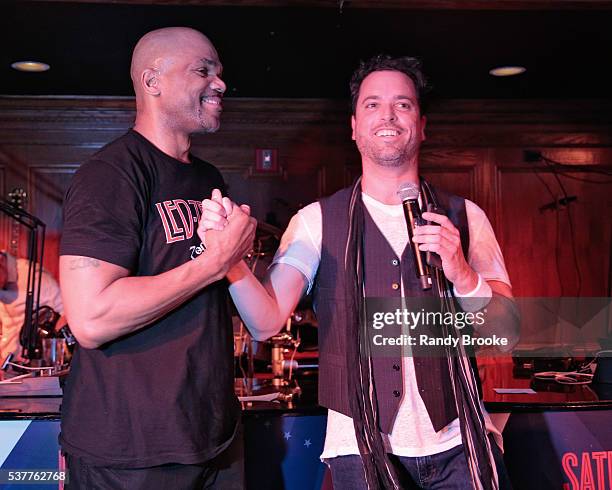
x=226 y=228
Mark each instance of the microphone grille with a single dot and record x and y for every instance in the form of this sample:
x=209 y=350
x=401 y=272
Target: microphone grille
x=408 y=191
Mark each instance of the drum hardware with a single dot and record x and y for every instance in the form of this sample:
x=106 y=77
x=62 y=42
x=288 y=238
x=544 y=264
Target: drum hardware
x=29 y=371
x=68 y=336
x=53 y=348
x=243 y=348
x=280 y=342
x=289 y=393
x=54 y=345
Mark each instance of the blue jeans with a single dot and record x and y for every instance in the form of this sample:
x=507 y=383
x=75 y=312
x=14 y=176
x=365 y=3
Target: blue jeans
x=443 y=471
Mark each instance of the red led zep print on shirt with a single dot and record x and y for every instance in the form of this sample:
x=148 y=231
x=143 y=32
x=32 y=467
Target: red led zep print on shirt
x=179 y=218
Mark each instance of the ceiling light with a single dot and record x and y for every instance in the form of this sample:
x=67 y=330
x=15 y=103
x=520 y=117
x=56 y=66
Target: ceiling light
x=507 y=71
x=33 y=66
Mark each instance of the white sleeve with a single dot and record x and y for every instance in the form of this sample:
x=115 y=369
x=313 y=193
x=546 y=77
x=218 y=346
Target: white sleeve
x=300 y=246
x=484 y=255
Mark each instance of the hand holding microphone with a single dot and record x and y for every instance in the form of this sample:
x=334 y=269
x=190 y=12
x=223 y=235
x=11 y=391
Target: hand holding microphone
x=409 y=194
x=440 y=236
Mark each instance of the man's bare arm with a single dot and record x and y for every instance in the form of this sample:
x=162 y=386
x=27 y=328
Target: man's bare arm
x=103 y=302
x=265 y=307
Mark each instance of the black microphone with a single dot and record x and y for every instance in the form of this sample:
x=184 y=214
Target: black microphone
x=409 y=194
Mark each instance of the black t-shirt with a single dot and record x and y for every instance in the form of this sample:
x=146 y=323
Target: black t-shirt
x=163 y=394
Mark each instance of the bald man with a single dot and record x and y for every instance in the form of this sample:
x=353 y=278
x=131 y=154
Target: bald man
x=149 y=402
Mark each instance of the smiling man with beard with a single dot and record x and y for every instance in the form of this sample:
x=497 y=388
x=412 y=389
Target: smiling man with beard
x=403 y=420
x=149 y=402
x=388 y=135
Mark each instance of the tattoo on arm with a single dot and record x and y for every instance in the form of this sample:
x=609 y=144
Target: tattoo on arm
x=83 y=263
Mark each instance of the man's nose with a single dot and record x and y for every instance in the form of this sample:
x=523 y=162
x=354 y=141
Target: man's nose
x=218 y=85
x=388 y=113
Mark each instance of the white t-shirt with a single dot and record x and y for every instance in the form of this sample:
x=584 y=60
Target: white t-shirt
x=412 y=434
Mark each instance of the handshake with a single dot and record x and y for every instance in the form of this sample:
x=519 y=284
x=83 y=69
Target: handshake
x=226 y=229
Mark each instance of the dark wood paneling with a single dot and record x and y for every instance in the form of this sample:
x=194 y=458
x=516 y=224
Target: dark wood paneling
x=474 y=148
x=555 y=251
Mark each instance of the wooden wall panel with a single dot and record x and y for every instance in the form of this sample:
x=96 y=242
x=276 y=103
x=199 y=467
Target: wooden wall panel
x=473 y=148
x=453 y=169
x=555 y=251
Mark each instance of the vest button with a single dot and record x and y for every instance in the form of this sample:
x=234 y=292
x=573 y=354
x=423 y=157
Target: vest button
x=395 y=286
x=396 y=367
x=395 y=262
x=396 y=393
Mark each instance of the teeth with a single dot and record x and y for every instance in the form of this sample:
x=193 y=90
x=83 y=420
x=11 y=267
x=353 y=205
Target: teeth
x=208 y=100
x=387 y=132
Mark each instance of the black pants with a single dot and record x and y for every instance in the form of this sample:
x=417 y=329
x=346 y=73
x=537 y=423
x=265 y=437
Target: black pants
x=225 y=472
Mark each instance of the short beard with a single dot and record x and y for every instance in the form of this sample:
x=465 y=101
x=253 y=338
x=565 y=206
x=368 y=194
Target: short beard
x=205 y=125
x=395 y=161
x=204 y=129
x=387 y=158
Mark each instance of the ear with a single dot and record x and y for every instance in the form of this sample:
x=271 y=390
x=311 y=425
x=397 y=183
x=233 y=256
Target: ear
x=353 y=127
x=150 y=81
x=423 y=124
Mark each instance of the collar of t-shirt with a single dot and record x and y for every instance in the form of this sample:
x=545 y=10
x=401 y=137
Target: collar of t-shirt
x=393 y=210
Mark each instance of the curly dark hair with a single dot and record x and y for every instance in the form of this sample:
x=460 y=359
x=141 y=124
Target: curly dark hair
x=382 y=62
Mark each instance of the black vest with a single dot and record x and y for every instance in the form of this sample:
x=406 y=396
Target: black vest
x=384 y=273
